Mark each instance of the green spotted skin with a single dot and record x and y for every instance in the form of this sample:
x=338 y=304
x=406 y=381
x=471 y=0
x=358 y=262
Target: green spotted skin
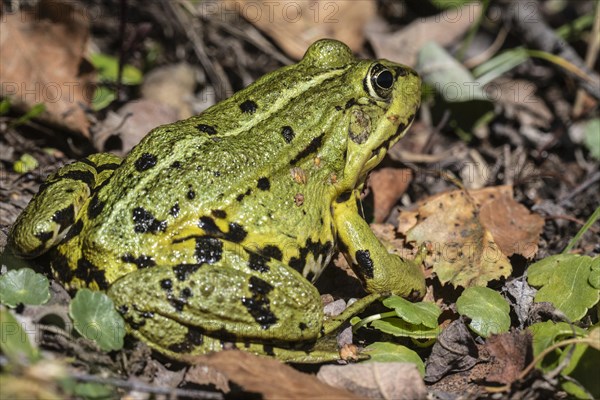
x=213 y=228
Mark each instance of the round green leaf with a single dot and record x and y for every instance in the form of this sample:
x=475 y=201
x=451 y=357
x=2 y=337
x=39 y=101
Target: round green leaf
x=95 y=318
x=26 y=163
x=568 y=281
x=23 y=286
x=487 y=309
x=390 y=352
x=108 y=68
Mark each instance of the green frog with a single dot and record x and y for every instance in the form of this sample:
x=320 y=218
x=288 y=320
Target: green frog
x=212 y=230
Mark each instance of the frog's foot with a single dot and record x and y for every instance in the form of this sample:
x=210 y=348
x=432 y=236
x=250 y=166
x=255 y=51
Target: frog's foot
x=53 y=210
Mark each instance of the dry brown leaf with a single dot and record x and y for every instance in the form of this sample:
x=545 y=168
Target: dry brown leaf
x=388 y=184
x=42 y=62
x=516 y=230
x=172 y=85
x=386 y=233
x=464 y=252
x=444 y=29
x=269 y=377
x=377 y=380
x=455 y=350
x=206 y=375
x=473 y=235
x=511 y=352
x=294 y=25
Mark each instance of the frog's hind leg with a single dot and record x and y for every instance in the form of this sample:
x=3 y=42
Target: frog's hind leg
x=225 y=298
x=182 y=342
x=53 y=210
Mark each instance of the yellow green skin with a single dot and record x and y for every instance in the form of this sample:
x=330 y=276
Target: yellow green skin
x=212 y=229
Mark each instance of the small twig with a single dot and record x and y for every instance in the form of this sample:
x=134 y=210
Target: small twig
x=122 y=25
x=252 y=36
x=591 y=220
x=436 y=131
x=590 y=59
x=572 y=219
x=489 y=52
x=146 y=388
x=525 y=16
x=215 y=73
x=584 y=185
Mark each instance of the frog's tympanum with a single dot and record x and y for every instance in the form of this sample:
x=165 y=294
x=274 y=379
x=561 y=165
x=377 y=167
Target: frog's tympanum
x=212 y=229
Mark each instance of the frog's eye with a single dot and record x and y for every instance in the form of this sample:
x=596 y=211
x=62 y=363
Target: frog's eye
x=379 y=82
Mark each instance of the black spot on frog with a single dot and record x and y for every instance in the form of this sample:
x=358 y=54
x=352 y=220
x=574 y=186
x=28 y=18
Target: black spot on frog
x=208 y=250
x=236 y=233
x=143 y=261
x=211 y=130
x=145 y=162
x=312 y=147
x=288 y=133
x=145 y=222
x=258 y=305
x=248 y=107
x=219 y=214
x=257 y=262
x=64 y=217
x=263 y=183
x=174 y=212
x=363 y=258
x=95 y=208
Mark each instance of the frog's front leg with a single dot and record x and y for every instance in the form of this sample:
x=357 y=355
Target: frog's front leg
x=195 y=308
x=53 y=210
x=380 y=271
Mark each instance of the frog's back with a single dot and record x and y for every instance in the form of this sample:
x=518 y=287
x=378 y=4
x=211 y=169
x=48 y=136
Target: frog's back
x=227 y=172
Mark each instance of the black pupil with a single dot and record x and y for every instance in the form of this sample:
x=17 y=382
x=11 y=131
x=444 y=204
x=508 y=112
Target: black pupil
x=384 y=79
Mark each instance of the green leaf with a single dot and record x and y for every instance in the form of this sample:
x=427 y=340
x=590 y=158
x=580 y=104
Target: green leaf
x=15 y=344
x=449 y=4
x=564 y=281
x=450 y=78
x=584 y=360
x=23 y=286
x=591 y=138
x=4 y=106
x=390 y=352
x=397 y=327
x=108 y=69
x=583 y=367
x=95 y=318
x=103 y=97
x=458 y=91
x=500 y=64
x=26 y=163
x=93 y=390
x=594 y=278
x=487 y=309
x=423 y=313
x=29 y=115
x=545 y=334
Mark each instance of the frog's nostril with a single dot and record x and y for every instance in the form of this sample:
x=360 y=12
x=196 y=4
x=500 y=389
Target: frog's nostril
x=401 y=71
